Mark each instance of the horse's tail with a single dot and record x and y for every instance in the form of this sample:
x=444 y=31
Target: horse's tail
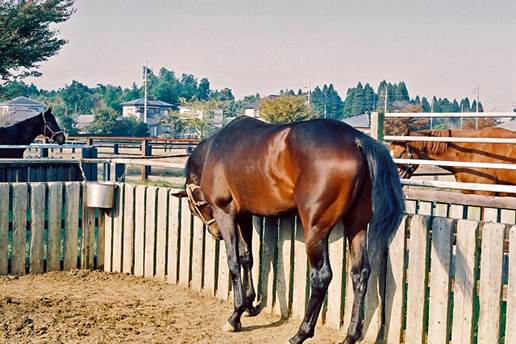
x=387 y=196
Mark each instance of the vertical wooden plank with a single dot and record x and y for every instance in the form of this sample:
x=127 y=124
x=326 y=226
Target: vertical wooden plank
x=474 y=213
x=71 y=224
x=129 y=226
x=410 y=206
x=508 y=216
x=101 y=240
x=270 y=242
x=348 y=291
x=185 y=241
x=55 y=193
x=395 y=280
x=510 y=320
x=299 y=292
x=490 y=215
x=440 y=280
x=108 y=239
x=173 y=240
x=417 y=278
x=197 y=254
x=19 y=241
x=456 y=211
x=150 y=231
x=88 y=233
x=425 y=208
x=139 y=230
x=282 y=297
x=223 y=278
x=337 y=251
x=210 y=273
x=118 y=217
x=464 y=286
x=490 y=291
x=37 y=227
x=257 y=244
x=161 y=234
x=441 y=209
x=4 y=227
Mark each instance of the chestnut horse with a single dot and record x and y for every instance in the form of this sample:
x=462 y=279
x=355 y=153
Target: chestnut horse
x=457 y=151
x=325 y=171
x=24 y=132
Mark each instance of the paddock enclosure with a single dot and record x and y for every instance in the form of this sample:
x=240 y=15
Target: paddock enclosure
x=445 y=279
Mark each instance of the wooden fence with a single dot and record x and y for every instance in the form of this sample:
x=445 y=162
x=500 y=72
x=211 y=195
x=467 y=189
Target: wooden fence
x=446 y=279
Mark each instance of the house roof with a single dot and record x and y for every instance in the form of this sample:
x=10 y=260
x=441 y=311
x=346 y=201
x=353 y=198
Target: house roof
x=253 y=105
x=151 y=101
x=360 y=121
x=23 y=101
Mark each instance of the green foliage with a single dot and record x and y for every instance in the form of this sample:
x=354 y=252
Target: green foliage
x=285 y=109
x=108 y=121
x=327 y=102
x=25 y=35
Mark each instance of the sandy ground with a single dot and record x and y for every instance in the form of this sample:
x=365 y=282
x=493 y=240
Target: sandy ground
x=96 y=307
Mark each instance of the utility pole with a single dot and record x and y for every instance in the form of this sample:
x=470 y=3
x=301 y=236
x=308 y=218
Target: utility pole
x=385 y=94
x=309 y=91
x=145 y=71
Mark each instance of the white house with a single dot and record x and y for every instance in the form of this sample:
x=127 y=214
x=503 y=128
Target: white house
x=251 y=110
x=19 y=109
x=155 y=109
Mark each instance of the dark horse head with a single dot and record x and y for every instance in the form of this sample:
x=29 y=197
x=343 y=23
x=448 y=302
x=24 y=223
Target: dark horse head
x=24 y=132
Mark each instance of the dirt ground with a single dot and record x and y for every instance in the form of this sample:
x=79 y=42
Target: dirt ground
x=96 y=307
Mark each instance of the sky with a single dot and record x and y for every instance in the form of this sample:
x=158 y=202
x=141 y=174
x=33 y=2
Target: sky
x=441 y=48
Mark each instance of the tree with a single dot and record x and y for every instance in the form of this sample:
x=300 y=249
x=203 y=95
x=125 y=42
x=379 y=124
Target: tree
x=285 y=108
x=25 y=35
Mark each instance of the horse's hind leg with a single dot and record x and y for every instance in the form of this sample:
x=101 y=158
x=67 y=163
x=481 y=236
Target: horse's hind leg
x=360 y=271
x=320 y=277
x=245 y=226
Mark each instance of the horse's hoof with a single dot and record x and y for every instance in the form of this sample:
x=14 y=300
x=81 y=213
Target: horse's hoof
x=230 y=328
x=250 y=312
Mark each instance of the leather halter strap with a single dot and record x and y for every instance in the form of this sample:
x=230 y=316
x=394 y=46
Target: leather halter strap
x=190 y=188
x=47 y=127
x=410 y=167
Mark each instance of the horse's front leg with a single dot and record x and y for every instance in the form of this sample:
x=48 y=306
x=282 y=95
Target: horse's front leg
x=245 y=226
x=231 y=238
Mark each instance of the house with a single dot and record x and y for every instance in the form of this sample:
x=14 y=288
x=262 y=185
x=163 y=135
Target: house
x=83 y=122
x=155 y=109
x=360 y=122
x=19 y=109
x=251 y=110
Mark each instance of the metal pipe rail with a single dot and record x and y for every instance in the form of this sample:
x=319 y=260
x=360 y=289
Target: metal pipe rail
x=450 y=114
x=449 y=139
x=460 y=186
x=46 y=145
x=456 y=163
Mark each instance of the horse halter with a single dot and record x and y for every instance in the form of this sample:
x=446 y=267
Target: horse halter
x=190 y=188
x=47 y=127
x=410 y=167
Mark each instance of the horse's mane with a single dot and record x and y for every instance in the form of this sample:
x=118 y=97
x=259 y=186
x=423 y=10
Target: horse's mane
x=435 y=148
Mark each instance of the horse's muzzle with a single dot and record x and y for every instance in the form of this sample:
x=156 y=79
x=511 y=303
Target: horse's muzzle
x=59 y=138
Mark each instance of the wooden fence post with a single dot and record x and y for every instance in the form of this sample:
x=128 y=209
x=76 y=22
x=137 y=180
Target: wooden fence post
x=377 y=119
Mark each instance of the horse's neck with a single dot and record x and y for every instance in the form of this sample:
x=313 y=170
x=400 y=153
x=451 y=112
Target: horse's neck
x=24 y=132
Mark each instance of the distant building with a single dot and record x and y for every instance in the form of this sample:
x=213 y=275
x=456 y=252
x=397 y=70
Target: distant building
x=155 y=109
x=19 y=109
x=360 y=122
x=83 y=122
x=251 y=110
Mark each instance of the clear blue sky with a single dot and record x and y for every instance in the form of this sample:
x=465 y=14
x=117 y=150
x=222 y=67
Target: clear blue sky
x=443 y=48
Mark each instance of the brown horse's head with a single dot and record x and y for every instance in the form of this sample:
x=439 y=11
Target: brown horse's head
x=200 y=207
x=51 y=129
x=401 y=150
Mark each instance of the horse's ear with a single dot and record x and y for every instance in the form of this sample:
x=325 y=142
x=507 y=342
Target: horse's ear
x=179 y=194
x=407 y=133
x=49 y=111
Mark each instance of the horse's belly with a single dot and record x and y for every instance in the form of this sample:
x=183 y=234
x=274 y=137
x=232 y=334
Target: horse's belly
x=262 y=202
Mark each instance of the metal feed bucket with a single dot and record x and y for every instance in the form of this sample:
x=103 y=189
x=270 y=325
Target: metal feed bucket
x=100 y=194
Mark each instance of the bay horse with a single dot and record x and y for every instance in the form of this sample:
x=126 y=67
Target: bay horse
x=460 y=151
x=24 y=132
x=323 y=170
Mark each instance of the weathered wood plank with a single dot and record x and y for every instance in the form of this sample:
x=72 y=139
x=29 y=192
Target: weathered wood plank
x=101 y=241
x=490 y=291
x=88 y=237
x=139 y=230
x=173 y=240
x=395 y=280
x=223 y=287
x=150 y=231
x=185 y=241
x=161 y=233
x=464 y=287
x=256 y=247
x=270 y=242
x=71 y=224
x=19 y=241
x=417 y=278
x=440 y=280
x=510 y=321
x=129 y=227
x=282 y=298
x=299 y=292
x=197 y=254
x=37 y=228
x=210 y=272
x=337 y=252
x=118 y=218
x=4 y=227
x=55 y=196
